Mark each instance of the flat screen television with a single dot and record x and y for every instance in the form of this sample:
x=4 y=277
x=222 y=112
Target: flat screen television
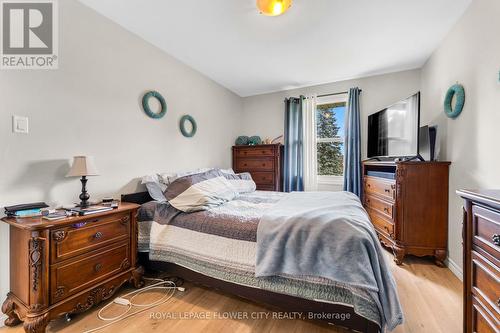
x=393 y=131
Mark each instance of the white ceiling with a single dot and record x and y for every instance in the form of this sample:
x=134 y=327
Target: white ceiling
x=316 y=41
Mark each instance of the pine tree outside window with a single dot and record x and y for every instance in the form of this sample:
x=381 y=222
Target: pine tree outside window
x=330 y=125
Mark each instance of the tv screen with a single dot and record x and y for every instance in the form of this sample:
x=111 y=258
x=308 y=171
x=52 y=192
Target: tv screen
x=393 y=132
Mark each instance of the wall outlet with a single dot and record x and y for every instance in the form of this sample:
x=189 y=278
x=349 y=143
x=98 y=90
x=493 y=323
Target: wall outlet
x=20 y=124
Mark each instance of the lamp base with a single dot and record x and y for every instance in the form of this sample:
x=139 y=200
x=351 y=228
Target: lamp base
x=84 y=196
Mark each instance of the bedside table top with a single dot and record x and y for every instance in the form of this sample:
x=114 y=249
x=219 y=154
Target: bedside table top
x=39 y=223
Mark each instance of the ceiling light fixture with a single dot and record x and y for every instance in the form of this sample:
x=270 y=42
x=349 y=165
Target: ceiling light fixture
x=273 y=7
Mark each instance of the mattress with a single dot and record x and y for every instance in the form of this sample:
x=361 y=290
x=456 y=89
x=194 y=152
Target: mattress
x=221 y=243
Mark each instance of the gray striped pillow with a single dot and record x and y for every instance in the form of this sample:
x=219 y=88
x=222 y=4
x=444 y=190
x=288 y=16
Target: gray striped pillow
x=200 y=191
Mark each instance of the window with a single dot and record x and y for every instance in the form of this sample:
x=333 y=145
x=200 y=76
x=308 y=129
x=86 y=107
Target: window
x=330 y=125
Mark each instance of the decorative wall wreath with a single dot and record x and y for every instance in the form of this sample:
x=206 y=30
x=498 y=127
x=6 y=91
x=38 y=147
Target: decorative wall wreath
x=147 y=109
x=182 y=125
x=457 y=91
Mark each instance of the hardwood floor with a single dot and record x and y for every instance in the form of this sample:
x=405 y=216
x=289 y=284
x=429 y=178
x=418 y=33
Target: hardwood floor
x=431 y=299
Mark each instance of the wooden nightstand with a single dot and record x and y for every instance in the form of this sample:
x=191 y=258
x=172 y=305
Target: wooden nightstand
x=67 y=266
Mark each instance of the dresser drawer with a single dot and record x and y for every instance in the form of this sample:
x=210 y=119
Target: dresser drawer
x=486 y=230
x=263 y=178
x=381 y=187
x=266 y=187
x=381 y=206
x=72 y=276
x=88 y=235
x=381 y=223
x=246 y=164
x=486 y=283
x=254 y=152
x=481 y=319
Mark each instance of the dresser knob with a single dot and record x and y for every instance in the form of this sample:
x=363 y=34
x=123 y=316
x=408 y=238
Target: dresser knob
x=98 y=235
x=496 y=239
x=97 y=267
x=369 y=185
x=387 y=190
x=386 y=210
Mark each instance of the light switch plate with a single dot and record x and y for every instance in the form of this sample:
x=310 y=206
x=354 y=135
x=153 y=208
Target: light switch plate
x=20 y=124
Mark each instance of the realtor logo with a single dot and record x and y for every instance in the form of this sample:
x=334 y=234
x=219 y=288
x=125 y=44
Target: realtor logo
x=29 y=34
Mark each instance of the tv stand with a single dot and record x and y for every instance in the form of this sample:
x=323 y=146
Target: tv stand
x=407 y=202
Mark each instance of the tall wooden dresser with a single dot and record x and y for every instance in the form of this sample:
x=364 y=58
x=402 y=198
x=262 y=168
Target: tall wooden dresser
x=481 y=244
x=264 y=162
x=67 y=266
x=408 y=206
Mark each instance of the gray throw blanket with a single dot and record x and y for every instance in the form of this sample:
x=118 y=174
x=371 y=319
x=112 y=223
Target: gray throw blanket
x=328 y=235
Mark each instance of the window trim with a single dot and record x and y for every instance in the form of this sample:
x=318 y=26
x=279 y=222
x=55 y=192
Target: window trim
x=331 y=179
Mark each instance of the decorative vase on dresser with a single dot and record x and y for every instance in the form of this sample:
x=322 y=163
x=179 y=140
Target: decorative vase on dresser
x=408 y=206
x=481 y=246
x=69 y=265
x=264 y=162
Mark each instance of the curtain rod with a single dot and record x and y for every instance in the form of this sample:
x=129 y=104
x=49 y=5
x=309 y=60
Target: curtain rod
x=338 y=93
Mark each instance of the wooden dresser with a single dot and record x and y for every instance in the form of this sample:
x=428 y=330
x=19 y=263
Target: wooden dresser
x=408 y=206
x=481 y=244
x=67 y=266
x=264 y=162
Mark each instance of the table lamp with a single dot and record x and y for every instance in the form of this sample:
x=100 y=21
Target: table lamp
x=83 y=166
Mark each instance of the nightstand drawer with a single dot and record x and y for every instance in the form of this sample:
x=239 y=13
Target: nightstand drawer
x=88 y=235
x=72 y=276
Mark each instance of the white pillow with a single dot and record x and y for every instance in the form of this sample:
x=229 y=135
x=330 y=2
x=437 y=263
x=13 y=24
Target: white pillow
x=167 y=178
x=155 y=187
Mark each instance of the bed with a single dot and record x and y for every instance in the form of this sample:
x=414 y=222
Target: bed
x=218 y=248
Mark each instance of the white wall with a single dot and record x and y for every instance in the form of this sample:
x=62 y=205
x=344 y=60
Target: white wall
x=91 y=105
x=470 y=55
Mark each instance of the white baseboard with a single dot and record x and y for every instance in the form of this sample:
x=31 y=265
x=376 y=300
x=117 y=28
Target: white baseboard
x=454 y=268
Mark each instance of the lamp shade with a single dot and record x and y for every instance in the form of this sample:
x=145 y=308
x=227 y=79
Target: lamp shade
x=83 y=166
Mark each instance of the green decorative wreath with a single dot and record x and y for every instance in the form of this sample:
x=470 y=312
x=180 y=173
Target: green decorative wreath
x=147 y=109
x=183 y=128
x=458 y=91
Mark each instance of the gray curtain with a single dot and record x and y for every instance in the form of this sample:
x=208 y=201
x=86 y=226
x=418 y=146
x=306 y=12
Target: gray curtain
x=352 y=164
x=293 y=168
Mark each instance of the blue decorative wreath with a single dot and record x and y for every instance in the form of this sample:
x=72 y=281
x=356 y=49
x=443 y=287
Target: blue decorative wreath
x=145 y=104
x=458 y=91
x=183 y=129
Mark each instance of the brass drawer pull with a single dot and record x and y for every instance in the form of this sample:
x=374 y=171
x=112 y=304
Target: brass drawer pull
x=498 y=302
x=98 y=235
x=386 y=210
x=97 y=267
x=387 y=190
x=496 y=239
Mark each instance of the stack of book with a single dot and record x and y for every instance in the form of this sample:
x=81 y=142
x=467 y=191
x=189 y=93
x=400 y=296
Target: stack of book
x=26 y=210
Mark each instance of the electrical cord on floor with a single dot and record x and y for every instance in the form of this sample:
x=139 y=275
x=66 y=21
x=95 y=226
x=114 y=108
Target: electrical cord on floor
x=169 y=284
